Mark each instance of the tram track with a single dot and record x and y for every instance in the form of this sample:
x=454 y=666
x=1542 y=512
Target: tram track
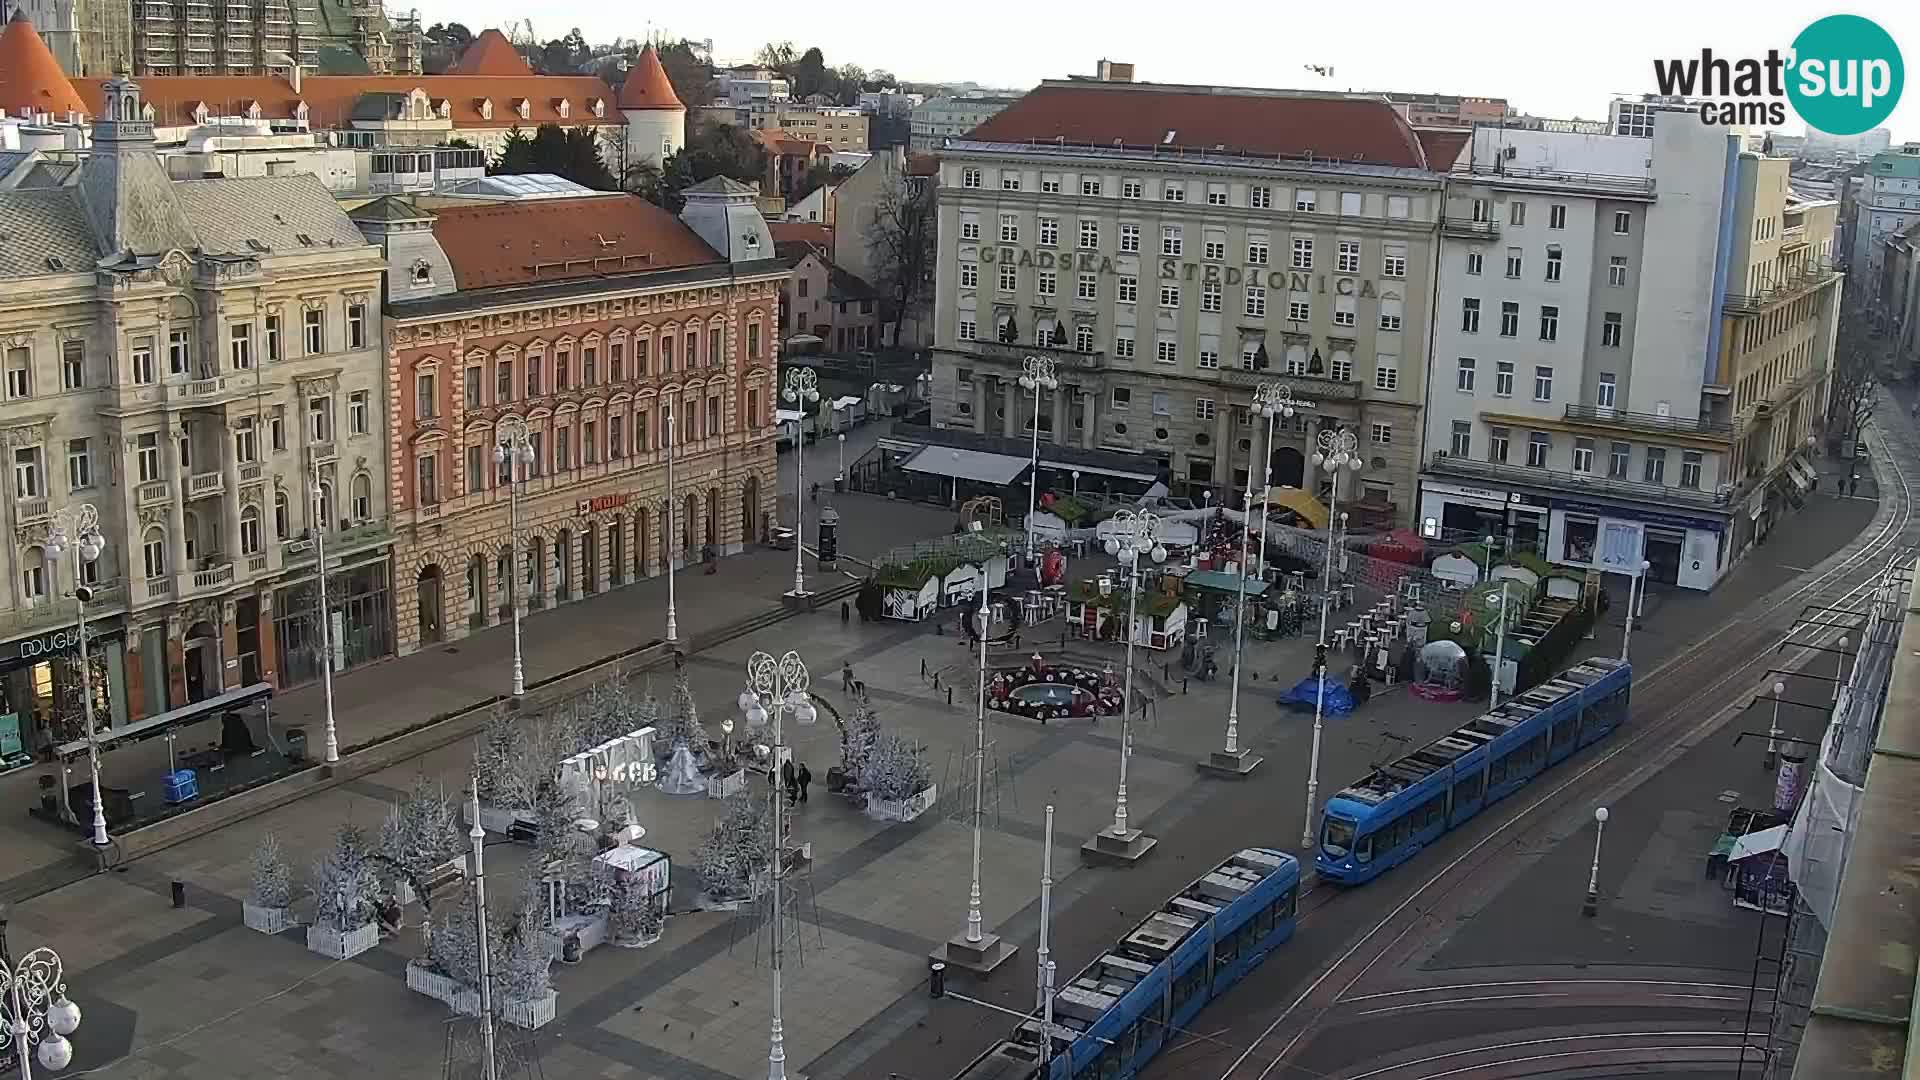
x=1664 y=699
x=1515 y=1059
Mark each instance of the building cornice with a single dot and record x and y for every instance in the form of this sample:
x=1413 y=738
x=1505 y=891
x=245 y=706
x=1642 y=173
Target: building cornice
x=1189 y=161
x=518 y=298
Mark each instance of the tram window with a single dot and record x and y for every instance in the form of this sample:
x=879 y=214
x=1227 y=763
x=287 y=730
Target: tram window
x=1563 y=731
x=1129 y=1041
x=1107 y=1065
x=1363 y=851
x=1433 y=811
x=1537 y=749
x=1285 y=905
x=1187 y=983
x=1226 y=950
x=1156 y=1019
x=1497 y=772
x=1468 y=790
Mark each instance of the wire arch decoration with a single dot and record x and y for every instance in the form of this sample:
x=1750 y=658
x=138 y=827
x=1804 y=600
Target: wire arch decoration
x=41 y=982
x=769 y=677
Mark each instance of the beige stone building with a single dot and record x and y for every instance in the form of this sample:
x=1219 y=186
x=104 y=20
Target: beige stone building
x=185 y=358
x=1172 y=247
x=590 y=321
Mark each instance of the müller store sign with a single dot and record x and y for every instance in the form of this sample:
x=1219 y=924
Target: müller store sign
x=54 y=643
x=1175 y=270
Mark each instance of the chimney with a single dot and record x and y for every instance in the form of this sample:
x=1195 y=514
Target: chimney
x=1113 y=71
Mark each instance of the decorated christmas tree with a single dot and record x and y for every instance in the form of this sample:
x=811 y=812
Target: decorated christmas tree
x=897 y=769
x=497 y=762
x=736 y=851
x=421 y=832
x=679 y=725
x=857 y=740
x=272 y=877
x=609 y=712
x=561 y=851
x=453 y=945
x=523 y=960
x=344 y=887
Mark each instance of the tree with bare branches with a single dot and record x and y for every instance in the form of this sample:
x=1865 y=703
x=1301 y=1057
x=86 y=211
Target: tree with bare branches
x=900 y=239
x=1853 y=388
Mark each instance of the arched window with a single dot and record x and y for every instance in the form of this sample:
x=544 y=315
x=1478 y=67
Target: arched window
x=282 y=516
x=362 y=497
x=153 y=550
x=33 y=574
x=191 y=521
x=250 y=539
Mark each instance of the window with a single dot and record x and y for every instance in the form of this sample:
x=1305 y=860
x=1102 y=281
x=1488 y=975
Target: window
x=1174 y=191
x=1390 y=313
x=1216 y=249
x=1617 y=459
x=563 y=449
x=1543 y=384
x=1009 y=229
x=1122 y=399
x=1386 y=372
x=969 y=178
x=1690 y=465
x=314 y=330
x=1166 y=351
x=1383 y=434
x=357 y=325
x=1503 y=378
x=502 y=381
x=1210 y=293
x=1083 y=338
x=1299 y=308
x=1393 y=261
x=1605 y=396
x=424 y=405
x=1257 y=252
x=1583 y=455
x=426 y=480
x=1343 y=311
x=1539 y=445
x=1557 y=216
x=1260 y=197
x=1049 y=230
x=1050 y=183
x=1656 y=468
x=282 y=516
x=1256 y=302
x=19 y=373
x=1009 y=181
x=250 y=538
x=969 y=275
x=1350 y=204
x=1549 y=323
x=357 y=412
x=1470 y=315
x=753 y=341
x=1046 y=283
x=477 y=468
x=1216 y=194
x=360 y=497
x=1123 y=346
x=1209 y=352
x=1514 y=262
x=147 y=454
x=140 y=356
x=1303 y=253
x=79 y=464
x=1091 y=186
x=1553 y=263
x=968 y=329
x=1497 y=439
x=1303 y=201
x=153 y=551
x=1162 y=404
x=1170 y=240
x=273 y=338
x=319 y=419
x=1129 y=238
x=1476 y=262
x=1622 y=223
x=179 y=352
x=1464 y=375
x=1509 y=319
x=1347 y=261
x=1617 y=271
x=1129 y=290
x=1203 y=409
x=969 y=230
x=1462 y=445
x=246 y=441
x=1009 y=277
x=1517 y=212
x=1610 y=330
x=73 y=365
x=1089 y=233
x=27 y=482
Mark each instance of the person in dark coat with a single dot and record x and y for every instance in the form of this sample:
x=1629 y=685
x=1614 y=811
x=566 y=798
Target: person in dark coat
x=790 y=780
x=804 y=777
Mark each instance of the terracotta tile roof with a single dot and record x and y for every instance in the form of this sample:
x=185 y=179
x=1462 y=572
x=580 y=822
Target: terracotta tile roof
x=331 y=99
x=801 y=232
x=1443 y=145
x=776 y=143
x=1200 y=117
x=490 y=54
x=30 y=78
x=497 y=244
x=647 y=85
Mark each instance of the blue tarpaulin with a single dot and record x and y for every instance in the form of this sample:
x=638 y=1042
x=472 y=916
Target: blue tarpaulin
x=1339 y=700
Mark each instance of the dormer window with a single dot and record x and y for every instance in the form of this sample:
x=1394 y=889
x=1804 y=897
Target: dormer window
x=443 y=109
x=523 y=108
x=564 y=108
x=486 y=108
x=300 y=113
x=422 y=273
x=253 y=110
x=599 y=107
x=147 y=113
x=200 y=112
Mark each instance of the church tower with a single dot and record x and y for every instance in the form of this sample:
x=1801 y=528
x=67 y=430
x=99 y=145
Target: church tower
x=656 y=119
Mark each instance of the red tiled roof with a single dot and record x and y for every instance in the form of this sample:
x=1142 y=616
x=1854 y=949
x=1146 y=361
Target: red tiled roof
x=801 y=232
x=490 y=54
x=330 y=98
x=647 y=85
x=1199 y=117
x=30 y=78
x=516 y=243
x=1443 y=145
x=775 y=143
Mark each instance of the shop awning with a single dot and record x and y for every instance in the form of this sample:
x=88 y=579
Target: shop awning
x=976 y=465
x=1310 y=509
x=154 y=727
x=1758 y=843
x=1225 y=582
x=1089 y=470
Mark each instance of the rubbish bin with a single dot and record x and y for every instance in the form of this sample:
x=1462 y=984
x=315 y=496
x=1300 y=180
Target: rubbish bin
x=297 y=745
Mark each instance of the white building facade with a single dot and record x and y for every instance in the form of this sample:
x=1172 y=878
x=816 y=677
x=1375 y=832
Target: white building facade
x=1889 y=202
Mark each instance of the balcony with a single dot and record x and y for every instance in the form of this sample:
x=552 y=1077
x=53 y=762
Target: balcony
x=1650 y=423
x=30 y=510
x=1313 y=386
x=250 y=474
x=158 y=587
x=294 y=550
x=154 y=493
x=1793 y=236
x=322 y=452
x=204 y=484
x=1013 y=353
x=215 y=576
x=1469 y=229
x=1587 y=484
x=257 y=564
x=1507 y=175
x=1809 y=277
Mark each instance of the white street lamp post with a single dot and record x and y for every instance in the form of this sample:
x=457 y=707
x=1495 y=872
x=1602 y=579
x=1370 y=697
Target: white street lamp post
x=802 y=389
x=35 y=1009
x=1275 y=401
x=1591 y=906
x=317 y=503
x=1076 y=483
x=1337 y=450
x=478 y=836
x=778 y=686
x=1839 y=666
x=673 y=619
x=77 y=528
x=974 y=933
x=1234 y=761
x=515 y=451
x=1037 y=373
x=1043 y=955
x=840 y=478
x=1637 y=580
x=1499 y=645
x=1133 y=535
x=1773 y=730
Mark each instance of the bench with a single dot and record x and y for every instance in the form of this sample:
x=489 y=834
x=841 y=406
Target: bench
x=443 y=880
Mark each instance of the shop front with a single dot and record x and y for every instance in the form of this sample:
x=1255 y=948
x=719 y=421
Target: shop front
x=360 y=621
x=1683 y=551
x=1457 y=514
x=41 y=689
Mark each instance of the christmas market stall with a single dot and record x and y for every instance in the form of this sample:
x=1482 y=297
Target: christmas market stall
x=1097 y=611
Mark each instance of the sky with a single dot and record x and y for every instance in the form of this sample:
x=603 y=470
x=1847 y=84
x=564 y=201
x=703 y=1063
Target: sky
x=1556 y=60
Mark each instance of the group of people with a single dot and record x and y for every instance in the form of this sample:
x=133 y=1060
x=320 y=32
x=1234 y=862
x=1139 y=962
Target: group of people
x=795 y=780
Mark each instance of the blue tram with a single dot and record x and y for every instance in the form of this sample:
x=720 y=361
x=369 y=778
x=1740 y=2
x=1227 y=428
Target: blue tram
x=1382 y=821
x=1113 y=1017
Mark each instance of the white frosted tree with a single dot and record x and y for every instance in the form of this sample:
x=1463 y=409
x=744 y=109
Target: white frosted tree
x=453 y=946
x=344 y=887
x=610 y=710
x=897 y=769
x=523 y=962
x=679 y=723
x=497 y=762
x=736 y=850
x=858 y=739
x=421 y=832
x=272 y=877
x=561 y=851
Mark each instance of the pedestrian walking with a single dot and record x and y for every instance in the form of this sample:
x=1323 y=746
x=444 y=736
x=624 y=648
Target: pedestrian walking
x=805 y=778
x=791 y=780
x=846 y=678
x=1853 y=484
x=846 y=613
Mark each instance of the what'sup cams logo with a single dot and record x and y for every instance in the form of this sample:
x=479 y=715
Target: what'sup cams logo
x=1843 y=76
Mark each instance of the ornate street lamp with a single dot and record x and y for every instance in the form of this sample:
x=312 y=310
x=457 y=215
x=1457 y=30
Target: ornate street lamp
x=514 y=450
x=1037 y=373
x=76 y=528
x=1339 y=450
x=1275 y=401
x=802 y=389
x=1131 y=536
x=777 y=687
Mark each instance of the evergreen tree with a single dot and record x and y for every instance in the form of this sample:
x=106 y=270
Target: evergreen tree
x=422 y=831
x=735 y=851
x=560 y=850
x=344 y=887
x=858 y=739
x=516 y=155
x=272 y=877
x=680 y=724
x=896 y=770
x=523 y=962
x=497 y=761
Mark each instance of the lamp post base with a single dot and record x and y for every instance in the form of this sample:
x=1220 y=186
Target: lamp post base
x=1110 y=849
x=1591 y=905
x=979 y=957
x=797 y=601
x=1235 y=766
